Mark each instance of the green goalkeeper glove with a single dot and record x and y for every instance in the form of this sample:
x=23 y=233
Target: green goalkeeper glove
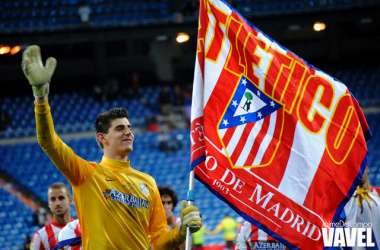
x=37 y=75
x=190 y=217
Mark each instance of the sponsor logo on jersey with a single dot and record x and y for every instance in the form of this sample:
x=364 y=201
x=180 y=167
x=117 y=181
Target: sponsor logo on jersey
x=129 y=200
x=268 y=246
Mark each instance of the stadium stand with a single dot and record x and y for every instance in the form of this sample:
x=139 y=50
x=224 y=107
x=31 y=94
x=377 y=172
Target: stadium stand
x=73 y=110
x=42 y=15
x=16 y=221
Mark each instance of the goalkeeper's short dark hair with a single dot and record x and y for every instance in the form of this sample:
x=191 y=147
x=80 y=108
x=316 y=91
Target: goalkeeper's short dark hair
x=104 y=120
x=165 y=190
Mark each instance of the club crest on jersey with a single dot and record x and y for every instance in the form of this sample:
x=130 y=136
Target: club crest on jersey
x=144 y=189
x=251 y=127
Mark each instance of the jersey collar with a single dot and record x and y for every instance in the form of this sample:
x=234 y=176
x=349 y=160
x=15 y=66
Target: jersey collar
x=116 y=164
x=58 y=225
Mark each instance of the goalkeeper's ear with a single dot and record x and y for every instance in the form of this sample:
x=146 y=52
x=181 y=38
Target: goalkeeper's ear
x=101 y=138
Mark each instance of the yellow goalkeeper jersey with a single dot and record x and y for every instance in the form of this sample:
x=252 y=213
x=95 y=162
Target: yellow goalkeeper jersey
x=118 y=207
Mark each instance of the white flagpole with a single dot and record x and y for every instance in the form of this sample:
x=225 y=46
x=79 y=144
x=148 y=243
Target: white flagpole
x=190 y=201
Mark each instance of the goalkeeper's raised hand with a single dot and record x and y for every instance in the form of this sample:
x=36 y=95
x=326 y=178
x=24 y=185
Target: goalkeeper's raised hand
x=190 y=217
x=37 y=75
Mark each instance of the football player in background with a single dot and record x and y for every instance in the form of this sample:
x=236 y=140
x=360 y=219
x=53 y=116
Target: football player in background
x=59 y=200
x=250 y=237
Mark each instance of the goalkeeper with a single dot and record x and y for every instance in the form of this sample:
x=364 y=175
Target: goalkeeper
x=118 y=207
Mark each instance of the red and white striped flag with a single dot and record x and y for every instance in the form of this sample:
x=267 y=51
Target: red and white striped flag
x=277 y=139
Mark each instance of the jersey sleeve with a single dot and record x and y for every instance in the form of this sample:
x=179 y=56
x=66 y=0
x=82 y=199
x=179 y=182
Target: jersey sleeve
x=74 y=168
x=36 y=243
x=241 y=243
x=370 y=214
x=375 y=191
x=160 y=237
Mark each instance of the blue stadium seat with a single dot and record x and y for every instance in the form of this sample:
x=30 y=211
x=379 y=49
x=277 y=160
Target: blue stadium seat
x=73 y=2
x=98 y=10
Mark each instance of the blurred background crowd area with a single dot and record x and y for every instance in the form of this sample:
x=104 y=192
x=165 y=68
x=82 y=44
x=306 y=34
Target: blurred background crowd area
x=140 y=55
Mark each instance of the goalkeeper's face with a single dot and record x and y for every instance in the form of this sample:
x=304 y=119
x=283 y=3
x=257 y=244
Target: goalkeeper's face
x=59 y=201
x=119 y=138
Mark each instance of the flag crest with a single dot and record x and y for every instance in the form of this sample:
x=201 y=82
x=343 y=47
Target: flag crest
x=251 y=125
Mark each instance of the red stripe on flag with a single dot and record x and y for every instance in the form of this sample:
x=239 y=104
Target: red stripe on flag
x=243 y=139
x=359 y=112
x=332 y=178
x=245 y=25
x=228 y=135
x=202 y=29
x=256 y=144
x=277 y=134
x=282 y=156
x=216 y=105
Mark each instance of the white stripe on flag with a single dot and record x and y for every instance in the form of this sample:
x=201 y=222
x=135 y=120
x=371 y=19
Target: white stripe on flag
x=267 y=139
x=197 y=100
x=265 y=60
x=213 y=70
x=249 y=143
x=277 y=47
x=220 y=5
x=222 y=132
x=235 y=139
x=210 y=31
x=300 y=172
x=264 y=38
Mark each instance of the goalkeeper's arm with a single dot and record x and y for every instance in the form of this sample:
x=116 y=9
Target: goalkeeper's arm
x=190 y=218
x=38 y=75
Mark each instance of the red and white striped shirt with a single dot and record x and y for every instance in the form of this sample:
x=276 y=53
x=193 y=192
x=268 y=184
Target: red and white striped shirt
x=47 y=237
x=250 y=237
x=177 y=221
x=70 y=237
x=375 y=191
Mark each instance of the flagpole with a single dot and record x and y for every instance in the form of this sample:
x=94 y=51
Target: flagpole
x=190 y=201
